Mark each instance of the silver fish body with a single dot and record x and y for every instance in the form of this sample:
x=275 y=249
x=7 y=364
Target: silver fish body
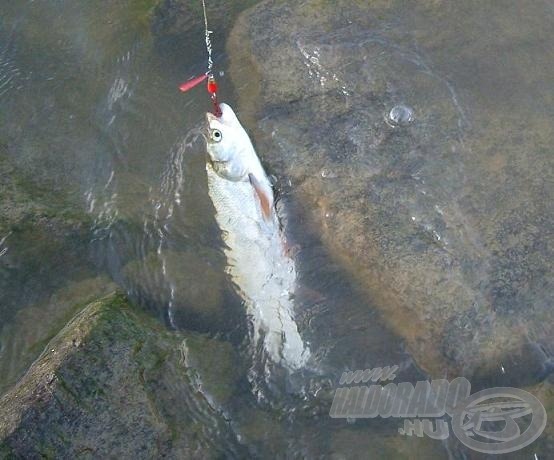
x=257 y=262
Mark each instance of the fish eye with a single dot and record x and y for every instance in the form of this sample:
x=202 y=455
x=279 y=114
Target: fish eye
x=216 y=135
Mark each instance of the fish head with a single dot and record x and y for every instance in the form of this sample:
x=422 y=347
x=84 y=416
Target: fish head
x=233 y=157
x=228 y=143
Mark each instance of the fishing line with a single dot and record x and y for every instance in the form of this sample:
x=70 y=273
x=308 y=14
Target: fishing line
x=207 y=33
x=212 y=85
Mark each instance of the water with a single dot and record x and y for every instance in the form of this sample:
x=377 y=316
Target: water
x=93 y=126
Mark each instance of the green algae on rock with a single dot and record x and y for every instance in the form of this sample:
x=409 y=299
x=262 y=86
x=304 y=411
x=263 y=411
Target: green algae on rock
x=44 y=236
x=112 y=382
x=23 y=338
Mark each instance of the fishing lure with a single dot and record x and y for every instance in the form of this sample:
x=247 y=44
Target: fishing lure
x=211 y=84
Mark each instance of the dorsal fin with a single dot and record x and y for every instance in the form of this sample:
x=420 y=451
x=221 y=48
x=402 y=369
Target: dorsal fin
x=265 y=196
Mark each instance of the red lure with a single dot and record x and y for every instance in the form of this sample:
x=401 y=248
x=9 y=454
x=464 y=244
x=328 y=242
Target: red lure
x=189 y=84
x=211 y=87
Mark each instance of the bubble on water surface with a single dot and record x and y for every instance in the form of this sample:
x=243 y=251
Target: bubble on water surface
x=400 y=115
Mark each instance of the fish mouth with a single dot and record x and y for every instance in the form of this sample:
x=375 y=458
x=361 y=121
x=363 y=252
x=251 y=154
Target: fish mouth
x=210 y=117
x=206 y=128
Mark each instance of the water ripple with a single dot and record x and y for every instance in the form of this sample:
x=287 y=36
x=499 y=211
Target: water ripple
x=11 y=77
x=3 y=247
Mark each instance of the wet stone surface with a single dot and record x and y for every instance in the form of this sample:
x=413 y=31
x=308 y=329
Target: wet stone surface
x=113 y=382
x=414 y=147
x=443 y=218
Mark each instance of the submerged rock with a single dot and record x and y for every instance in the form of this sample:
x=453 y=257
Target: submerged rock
x=23 y=338
x=44 y=240
x=348 y=443
x=543 y=446
x=446 y=219
x=188 y=287
x=114 y=382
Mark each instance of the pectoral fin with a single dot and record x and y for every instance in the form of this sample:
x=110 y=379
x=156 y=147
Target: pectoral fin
x=265 y=196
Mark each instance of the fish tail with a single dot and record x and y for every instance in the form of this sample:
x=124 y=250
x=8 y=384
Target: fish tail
x=282 y=341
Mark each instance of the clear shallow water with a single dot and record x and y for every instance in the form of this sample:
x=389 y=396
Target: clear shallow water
x=91 y=112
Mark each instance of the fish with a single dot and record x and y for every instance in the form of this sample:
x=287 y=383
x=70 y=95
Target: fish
x=258 y=262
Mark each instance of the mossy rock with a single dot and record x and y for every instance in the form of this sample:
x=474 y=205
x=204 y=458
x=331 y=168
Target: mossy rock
x=24 y=338
x=215 y=365
x=44 y=236
x=112 y=383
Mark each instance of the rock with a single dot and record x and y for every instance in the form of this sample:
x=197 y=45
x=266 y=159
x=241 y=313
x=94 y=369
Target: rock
x=183 y=282
x=175 y=23
x=446 y=221
x=114 y=382
x=348 y=443
x=215 y=365
x=44 y=237
x=539 y=448
x=545 y=443
x=23 y=338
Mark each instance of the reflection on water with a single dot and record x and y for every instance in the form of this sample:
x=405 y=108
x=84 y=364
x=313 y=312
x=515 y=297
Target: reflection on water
x=91 y=118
